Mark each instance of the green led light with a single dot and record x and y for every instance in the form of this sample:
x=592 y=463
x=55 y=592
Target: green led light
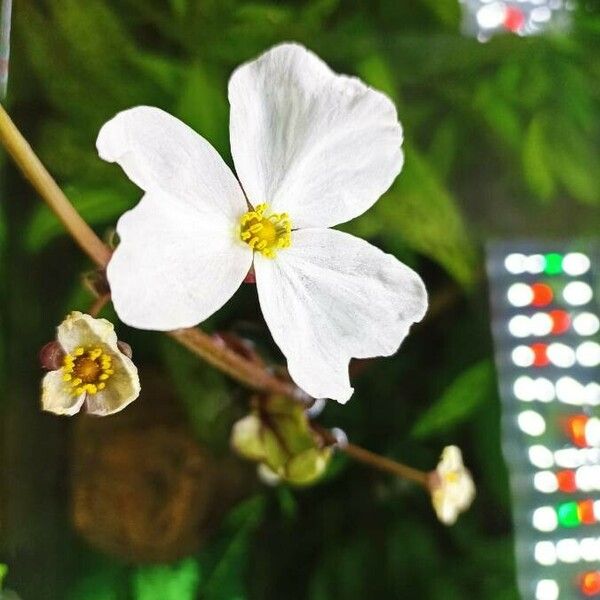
x=568 y=515
x=553 y=264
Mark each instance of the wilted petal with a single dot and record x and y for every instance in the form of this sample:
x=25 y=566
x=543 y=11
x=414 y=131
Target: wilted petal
x=322 y=147
x=57 y=397
x=331 y=297
x=80 y=329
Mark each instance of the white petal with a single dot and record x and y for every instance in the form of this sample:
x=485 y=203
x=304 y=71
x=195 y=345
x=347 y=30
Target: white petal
x=322 y=147
x=122 y=388
x=161 y=154
x=79 y=329
x=330 y=297
x=172 y=267
x=57 y=397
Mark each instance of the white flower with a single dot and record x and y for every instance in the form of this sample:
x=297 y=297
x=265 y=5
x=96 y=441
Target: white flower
x=452 y=487
x=312 y=149
x=94 y=371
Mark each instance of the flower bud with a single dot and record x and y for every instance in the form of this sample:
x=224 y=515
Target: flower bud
x=277 y=435
x=51 y=356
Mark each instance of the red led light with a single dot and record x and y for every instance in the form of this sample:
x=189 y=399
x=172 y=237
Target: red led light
x=590 y=583
x=561 y=321
x=514 y=19
x=542 y=294
x=540 y=357
x=585 y=510
x=566 y=481
x=576 y=430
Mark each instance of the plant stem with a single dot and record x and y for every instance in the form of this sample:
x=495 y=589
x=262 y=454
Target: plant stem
x=42 y=181
x=99 y=303
x=376 y=461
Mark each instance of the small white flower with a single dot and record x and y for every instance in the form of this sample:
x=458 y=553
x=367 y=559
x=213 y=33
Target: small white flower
x=452 y=487
x=312 y=149
x=94 y=371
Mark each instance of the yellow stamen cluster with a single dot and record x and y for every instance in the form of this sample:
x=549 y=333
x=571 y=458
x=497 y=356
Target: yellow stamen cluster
x=266 y=232
x=86 y=371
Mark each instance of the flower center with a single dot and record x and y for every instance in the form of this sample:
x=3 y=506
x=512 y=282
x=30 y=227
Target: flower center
x=87 y=371
x=264 y=231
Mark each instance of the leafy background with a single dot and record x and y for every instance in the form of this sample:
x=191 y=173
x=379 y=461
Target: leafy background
x=501 y=140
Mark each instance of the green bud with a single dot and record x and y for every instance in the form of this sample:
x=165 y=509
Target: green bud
x=278 y=435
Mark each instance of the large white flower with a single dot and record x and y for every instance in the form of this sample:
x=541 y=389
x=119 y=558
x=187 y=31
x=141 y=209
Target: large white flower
x=312 y=149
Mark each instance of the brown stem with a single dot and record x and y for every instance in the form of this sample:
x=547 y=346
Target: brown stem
x=42 y=181
x=376 y=461
x=99 y=303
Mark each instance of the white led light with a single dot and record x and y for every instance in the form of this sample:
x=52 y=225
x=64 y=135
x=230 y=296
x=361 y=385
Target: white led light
x=535 y=264
x=567 y=550
x=541 y=324
x=491 y=16
x=592 y=432
x=577 y=293
x=586 y=324
x=519 y=326
x=560 y=355
x=531 y=423
x=585 y=478
x=524 y=388
x=544 y=519
x=575 y=264
x=570 y=391
x=541 y=14
x=569 y=458
x=589 y=548
x=545 y=482
x=515 y=263
x=588 y=354
x=523 y=356
x=592 y=393
x=545 y=553
x=541 y=457
x=520 y=294
x=547 y=589
x=597 y=510
x=544 y=390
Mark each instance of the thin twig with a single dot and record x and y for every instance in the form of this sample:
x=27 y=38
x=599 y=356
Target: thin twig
x=376 y=461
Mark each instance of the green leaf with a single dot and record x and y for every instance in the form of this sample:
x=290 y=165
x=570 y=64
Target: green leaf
x=203 y=106
x=96 y=206
x=203 y=392
x=376 y=71
x=536 y=161
x=167 y=582
x=461 y=399
x=226 y=559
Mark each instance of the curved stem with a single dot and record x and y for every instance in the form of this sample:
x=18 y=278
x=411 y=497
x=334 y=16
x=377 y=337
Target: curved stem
x=42 y=181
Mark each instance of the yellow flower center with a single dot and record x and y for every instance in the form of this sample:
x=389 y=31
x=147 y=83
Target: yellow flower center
x=264 y=231
x=452 y=477
x=86 y=371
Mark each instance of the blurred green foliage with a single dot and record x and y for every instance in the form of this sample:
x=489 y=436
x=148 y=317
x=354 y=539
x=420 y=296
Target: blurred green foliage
x=500 y=139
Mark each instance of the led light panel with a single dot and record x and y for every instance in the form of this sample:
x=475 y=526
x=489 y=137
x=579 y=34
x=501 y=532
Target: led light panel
x=486 y=18
x=547 y=338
